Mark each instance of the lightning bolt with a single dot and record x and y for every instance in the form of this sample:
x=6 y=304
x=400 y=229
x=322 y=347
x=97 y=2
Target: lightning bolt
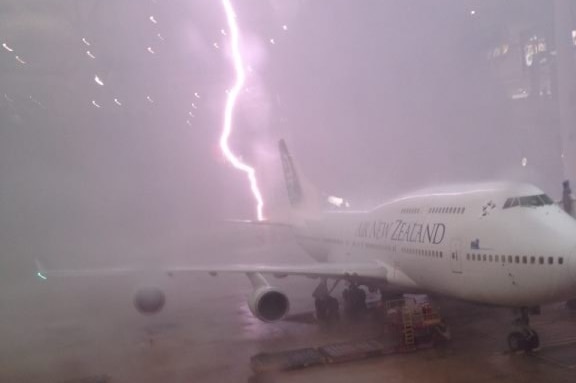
x=229 y=110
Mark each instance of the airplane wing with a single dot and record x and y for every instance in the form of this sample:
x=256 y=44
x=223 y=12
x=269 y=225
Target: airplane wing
x=331 y=270
x=314 y=270
x=347 y=271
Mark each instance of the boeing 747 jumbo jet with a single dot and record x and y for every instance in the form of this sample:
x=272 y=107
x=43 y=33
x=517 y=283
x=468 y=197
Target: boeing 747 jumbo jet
x=502 y=243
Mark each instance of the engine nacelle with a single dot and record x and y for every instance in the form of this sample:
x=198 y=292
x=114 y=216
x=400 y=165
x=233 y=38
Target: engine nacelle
x=268 y=304
x=149 y=300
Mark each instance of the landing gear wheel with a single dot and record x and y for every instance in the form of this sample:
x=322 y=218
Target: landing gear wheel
x=327 y=310
x=527 y=340
x=516 y=341
x=533 y=342
x=333 y=309
x=354 y=301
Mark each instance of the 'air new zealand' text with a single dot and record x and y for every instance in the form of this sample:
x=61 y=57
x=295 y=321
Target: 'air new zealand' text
x=402 y=231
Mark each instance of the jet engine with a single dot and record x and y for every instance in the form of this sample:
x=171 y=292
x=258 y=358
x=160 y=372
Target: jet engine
x=149 y=300
x=268 y=304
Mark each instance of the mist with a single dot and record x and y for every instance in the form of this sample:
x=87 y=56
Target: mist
x=374 y=98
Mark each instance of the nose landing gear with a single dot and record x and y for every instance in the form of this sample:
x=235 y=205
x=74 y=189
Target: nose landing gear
x=523 y=338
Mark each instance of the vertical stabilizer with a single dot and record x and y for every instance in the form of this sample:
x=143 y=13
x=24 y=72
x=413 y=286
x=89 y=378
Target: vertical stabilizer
x=303 y=197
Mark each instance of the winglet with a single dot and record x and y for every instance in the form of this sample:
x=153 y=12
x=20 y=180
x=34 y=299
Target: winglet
x=40 y=272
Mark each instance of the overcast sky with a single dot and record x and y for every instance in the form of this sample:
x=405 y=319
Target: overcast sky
x=110 y=113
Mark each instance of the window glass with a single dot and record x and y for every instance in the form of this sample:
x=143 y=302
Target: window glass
x=541 y=260
x=517 y=259
x=532 y=200
x=509 y=259
x=550 y=260
x=524 y=259
x=497 y=257
x=560 y=261
x=546 y=200
x=484 y=257
x=532 y=260
x=490 y=258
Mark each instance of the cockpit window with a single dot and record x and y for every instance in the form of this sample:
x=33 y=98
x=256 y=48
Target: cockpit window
x=547 y=200
x=511 y=202
x=530 y=201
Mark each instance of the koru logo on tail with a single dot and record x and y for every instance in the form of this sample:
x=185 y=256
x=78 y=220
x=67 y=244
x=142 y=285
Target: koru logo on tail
x=290 y=176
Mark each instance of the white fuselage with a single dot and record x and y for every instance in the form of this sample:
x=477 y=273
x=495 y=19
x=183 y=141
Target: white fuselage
x=460 y=241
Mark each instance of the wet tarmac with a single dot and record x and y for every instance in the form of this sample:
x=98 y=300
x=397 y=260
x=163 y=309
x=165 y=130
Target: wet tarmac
x=86 y=330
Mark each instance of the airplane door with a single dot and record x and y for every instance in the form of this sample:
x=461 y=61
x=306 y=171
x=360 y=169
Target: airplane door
x=456 y=256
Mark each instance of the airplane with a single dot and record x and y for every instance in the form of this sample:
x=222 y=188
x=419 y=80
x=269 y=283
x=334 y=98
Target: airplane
x=496 y=243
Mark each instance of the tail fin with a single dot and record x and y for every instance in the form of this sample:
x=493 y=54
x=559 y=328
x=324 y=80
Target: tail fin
x=303 y=197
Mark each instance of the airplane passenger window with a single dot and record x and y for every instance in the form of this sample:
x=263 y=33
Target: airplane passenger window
x=484 y=257
x=490 y=258
x=517 y=259
x=532 y=260
x=541 y=260
x=497 y=258
x=550 y=260
x=524 y=259
x=560 y=261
